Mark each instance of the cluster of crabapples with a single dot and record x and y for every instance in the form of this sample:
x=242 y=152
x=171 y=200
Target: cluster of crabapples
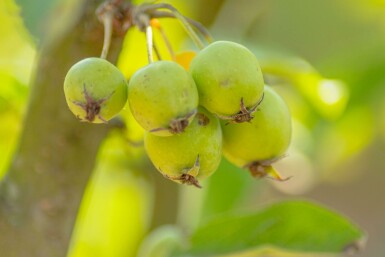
x=220 y=105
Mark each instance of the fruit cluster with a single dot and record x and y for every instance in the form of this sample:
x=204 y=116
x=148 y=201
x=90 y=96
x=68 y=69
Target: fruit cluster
x=190 y=118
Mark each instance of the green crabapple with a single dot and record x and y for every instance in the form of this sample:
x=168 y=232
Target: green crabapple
x=95 y=90
x=190 y=156
x=229 y=80
x=262 y=141
x=163 y=98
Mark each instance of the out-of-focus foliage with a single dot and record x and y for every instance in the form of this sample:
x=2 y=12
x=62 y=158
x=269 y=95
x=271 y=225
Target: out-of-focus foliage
x=16 y=49
x=12 y=97
x=116 y=208
x=163 y=241
x=295 y=226
x=16 y=59
x=302 y=179
x=60 y=14
x=328 y=97
x=35 y=14
x=238 y=183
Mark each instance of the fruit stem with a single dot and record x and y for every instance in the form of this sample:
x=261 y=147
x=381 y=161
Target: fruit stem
x=168 y=44
x=165 y=39
x=195 y=38
x=202 y=29
x=106 y=13
x=149 y=43
x=156 y=50
x=107 y=22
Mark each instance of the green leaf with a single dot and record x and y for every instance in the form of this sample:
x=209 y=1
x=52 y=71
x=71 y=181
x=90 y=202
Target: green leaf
x=50 y=19
x=35 y=14
x=161 y=242
x=231 y=181
x=291 y=226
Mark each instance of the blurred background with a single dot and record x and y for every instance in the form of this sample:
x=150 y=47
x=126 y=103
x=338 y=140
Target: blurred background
x=326 y=58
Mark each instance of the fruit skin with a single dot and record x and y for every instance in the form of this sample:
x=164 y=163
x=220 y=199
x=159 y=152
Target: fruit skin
x=175 y=155
x=225 y=72
x=161 y=93
x=265 y=138
x=96 y=85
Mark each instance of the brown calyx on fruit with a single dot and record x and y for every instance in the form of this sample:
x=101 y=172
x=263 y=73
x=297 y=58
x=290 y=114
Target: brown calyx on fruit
x=203 y=120
x=189 y=180
x=186 y=179
x=177 y=125
x=264 y=169
x=91 y=106
x=189 y=175
x=244 y=115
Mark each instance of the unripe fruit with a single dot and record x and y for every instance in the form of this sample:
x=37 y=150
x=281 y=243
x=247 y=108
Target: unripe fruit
x=95 y=90
x=163 y=98
x=229 y=80
x=262 y=141
x=190 y=156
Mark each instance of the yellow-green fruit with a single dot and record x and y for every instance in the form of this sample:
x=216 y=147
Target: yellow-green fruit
x=265 y=138
x=226 y=72
x=163 y=98
x=95 y=90
x=190 y=156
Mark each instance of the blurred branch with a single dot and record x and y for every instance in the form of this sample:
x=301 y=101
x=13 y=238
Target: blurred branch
x=41 y=193
x=230 y=24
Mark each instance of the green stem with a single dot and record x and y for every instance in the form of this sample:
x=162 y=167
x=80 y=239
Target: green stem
x=168 y=43
x=107 y=22
x=204 y=32
x=156 y=50
x=195 y=38
x=149 y=43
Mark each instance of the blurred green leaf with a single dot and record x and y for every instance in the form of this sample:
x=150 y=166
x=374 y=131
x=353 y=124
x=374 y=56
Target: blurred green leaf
x=346 y=144
x=35 y=14
x=292 y=226
x=161 y=242
x=329 y=97
x=16 y=49
x=116 y=209
x=12 y=101
x=197 y=207
x=228 y=180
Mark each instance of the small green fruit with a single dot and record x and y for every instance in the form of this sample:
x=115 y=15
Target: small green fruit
x=190 y=156
x=229 y=80
x=262 y=141
x=163 y=98
x=95 y=90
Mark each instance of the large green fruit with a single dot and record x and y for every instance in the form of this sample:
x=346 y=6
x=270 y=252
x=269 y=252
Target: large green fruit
x=229 y=80
x=262 y=141
x=95 y=90
x=163 y=98
x=190 y=156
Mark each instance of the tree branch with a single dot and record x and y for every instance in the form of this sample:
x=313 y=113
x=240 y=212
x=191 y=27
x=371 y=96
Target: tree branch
x=41 y=193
